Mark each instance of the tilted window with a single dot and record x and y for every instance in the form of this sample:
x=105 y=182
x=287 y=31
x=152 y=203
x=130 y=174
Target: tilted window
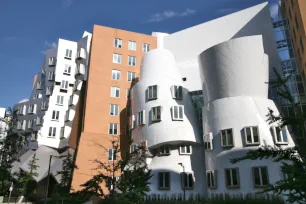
x=227 y=138
x=156 y=114
x=279 y=135
x=177 y=92
x=208 y=142
x=232 y=178
x=177 y=112
x=152 y=92
x=251 y=135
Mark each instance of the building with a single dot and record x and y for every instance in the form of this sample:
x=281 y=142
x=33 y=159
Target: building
x=3 y=124
x=180 y=95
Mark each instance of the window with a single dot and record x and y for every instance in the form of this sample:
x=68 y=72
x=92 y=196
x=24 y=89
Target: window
x=51 y=76
x=132 y=45
x=43 y=105
x=208 y=142
x=163 y=180
x=227 y=138
x=21 y=125
x=35 y=96
x=133 y=148
x=132 y=122
x=165 y=150
x=30 y=124
x=185 y=149
x=116 y=74
x=177 y=92
x=128 y=93
x=141 y=118
x=55 y=115
x=60 y=100
x=115 y=92
x=113 y=129
x=232 y=178
x=156 y=114
x=177 y=112
x=117 y=58
x=187 y=180
x=68 y=53
x=21 y=110
x=67 y=69
x=251 y=135
x=302 y=45
x=49 y=90
x=132 y=60
x=52 y=61
x=64 y=84
x=39 y=120
x=117 y=43
x=145 y=47
x=38 y=85
x=32 y=109
x=112 y=154
x=114 y=110
x=279 y=135
x=52 y=131
x=211 y=179
x=131 y=76
x=152 y=92
x=260 y=176
x=62 y=133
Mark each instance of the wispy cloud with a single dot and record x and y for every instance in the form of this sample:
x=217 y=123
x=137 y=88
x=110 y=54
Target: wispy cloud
x=274 y=10
x=10 y=38
x=66 y=3
x=48 y=45
x=225 y=11
x=158 y=17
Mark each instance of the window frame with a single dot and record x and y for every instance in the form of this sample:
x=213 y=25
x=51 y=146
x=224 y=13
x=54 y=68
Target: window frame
x=163 y=186
x=69 y=52
x=38 y=121
x=131 y=76
x=185 y=149
x=117 y=74
x=117 y=43
x=60 y=100
x=188 y=178
x=117 y=58
x=164 y=150
x=113 y=154
x=180 y=109
x=221 y=136
x=114 y=89
x=132 y=122
x=132 y=61
x=111 y=128
x=146 y=47
x=51 y=76
x=131 y=45
x=156 y=109
x=67 y=69
x=261 y=185
x=208 y=142
x=177 y=92
x=55 y=115
x=252 y=136
x=114 y=108
x=150 y=92
x=211 y=178
x=52 y=132
x=64 y=85
x=273 y=131
x=231 y=185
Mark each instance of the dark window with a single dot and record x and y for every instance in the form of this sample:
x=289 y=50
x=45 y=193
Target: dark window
x=164 y=180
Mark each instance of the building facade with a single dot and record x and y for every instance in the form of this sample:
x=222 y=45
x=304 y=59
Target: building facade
x=195 y=99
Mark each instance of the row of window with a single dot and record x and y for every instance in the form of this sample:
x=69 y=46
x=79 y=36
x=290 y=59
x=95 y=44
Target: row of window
x=251 y=137
x=116 y=75
x=68 y=55
x=117 y=58
x=232 y=177
x=164 y=180
x=53 y=132
x=131 y=45
x=166 y=150
x=23 y=124
x=176 y=91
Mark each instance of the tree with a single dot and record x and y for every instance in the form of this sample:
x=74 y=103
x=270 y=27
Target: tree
x=132 y=180
x=293 y=165
x=10 y=147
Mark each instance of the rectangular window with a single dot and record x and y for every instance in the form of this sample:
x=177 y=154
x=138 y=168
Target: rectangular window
x=145 y=47
x=67 y=69
x=52 y=131
x=32 y=108
x=68 y=54
x=177 y=112
x=115 y=92
x=128 y=93
x=152 y=92
x=251 y=135
x=279 y=135
x=60 y=100
x=35 y=96
x=185 y=149
x=164 y=150
x=114 y=110
x=117 y=58
x=232 y=178
x=156 y=114
x=51 y=76
x=112 y=154
x=39 y=120
x=55 y=115
x=187 y=180
x=132 y=60
x=227 y=138
x=64 y=84
x=49 y=90
x=131 y=76
x=141 y=118
x=260 y=177
x=163 y=180
x=30 y=124
x=52 y=61
x=117 y=43
x=21 y=125
x=113 y=129
x=132 y=122
x=38 y=85
x=132 y=45
x=177 y=92
x=208 y=142
x=116 y=74
x=211 y=179
x=43 y=105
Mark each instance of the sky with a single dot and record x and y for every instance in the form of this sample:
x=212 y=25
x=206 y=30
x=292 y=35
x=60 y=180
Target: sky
x=29 y=27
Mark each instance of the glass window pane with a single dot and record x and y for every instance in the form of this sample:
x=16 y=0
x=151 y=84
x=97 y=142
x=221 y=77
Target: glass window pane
x=190 y=179
x=188 y=149
x=256 y=176
x=255 y=134
x=209 y=179
x=161 y=179
x=167 y=180
x=154 y=92
x=180 y=112
x=284 y=133
x=228 y=177
x=278 y=136
x=248 y=135
x=175 y=114
x=264 y=175
x=235 y=177
x=223 y=138
x=185 y=180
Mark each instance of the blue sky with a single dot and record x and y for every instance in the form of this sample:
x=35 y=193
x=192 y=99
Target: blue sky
x=29 y=27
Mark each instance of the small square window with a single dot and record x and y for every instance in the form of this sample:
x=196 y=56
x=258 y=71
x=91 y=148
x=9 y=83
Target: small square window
x=132 y=61
x=55 y=115
x=115 y=92
x=185 y=149
x=52 y=61
x=52 y=132
x=117 y=43
x=68 y=54
x=60 y=100
x=116 y=74
x=64 y=85
x=51 y=76
x=146 y=47
x=114 y=110
x=67 y=69
x=227 y=138
x=112 y=154
x=132 y=122
x=131 y=76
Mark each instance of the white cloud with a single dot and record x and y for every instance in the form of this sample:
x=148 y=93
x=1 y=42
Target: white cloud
x=10 y=38
x=274 y=10
x=66 y=3
x=158 y=17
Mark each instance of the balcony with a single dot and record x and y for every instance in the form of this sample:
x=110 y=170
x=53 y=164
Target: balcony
x=80 y=69
x=73 y=100
x=81 y=54
x=77 y=86
x=69 y=115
